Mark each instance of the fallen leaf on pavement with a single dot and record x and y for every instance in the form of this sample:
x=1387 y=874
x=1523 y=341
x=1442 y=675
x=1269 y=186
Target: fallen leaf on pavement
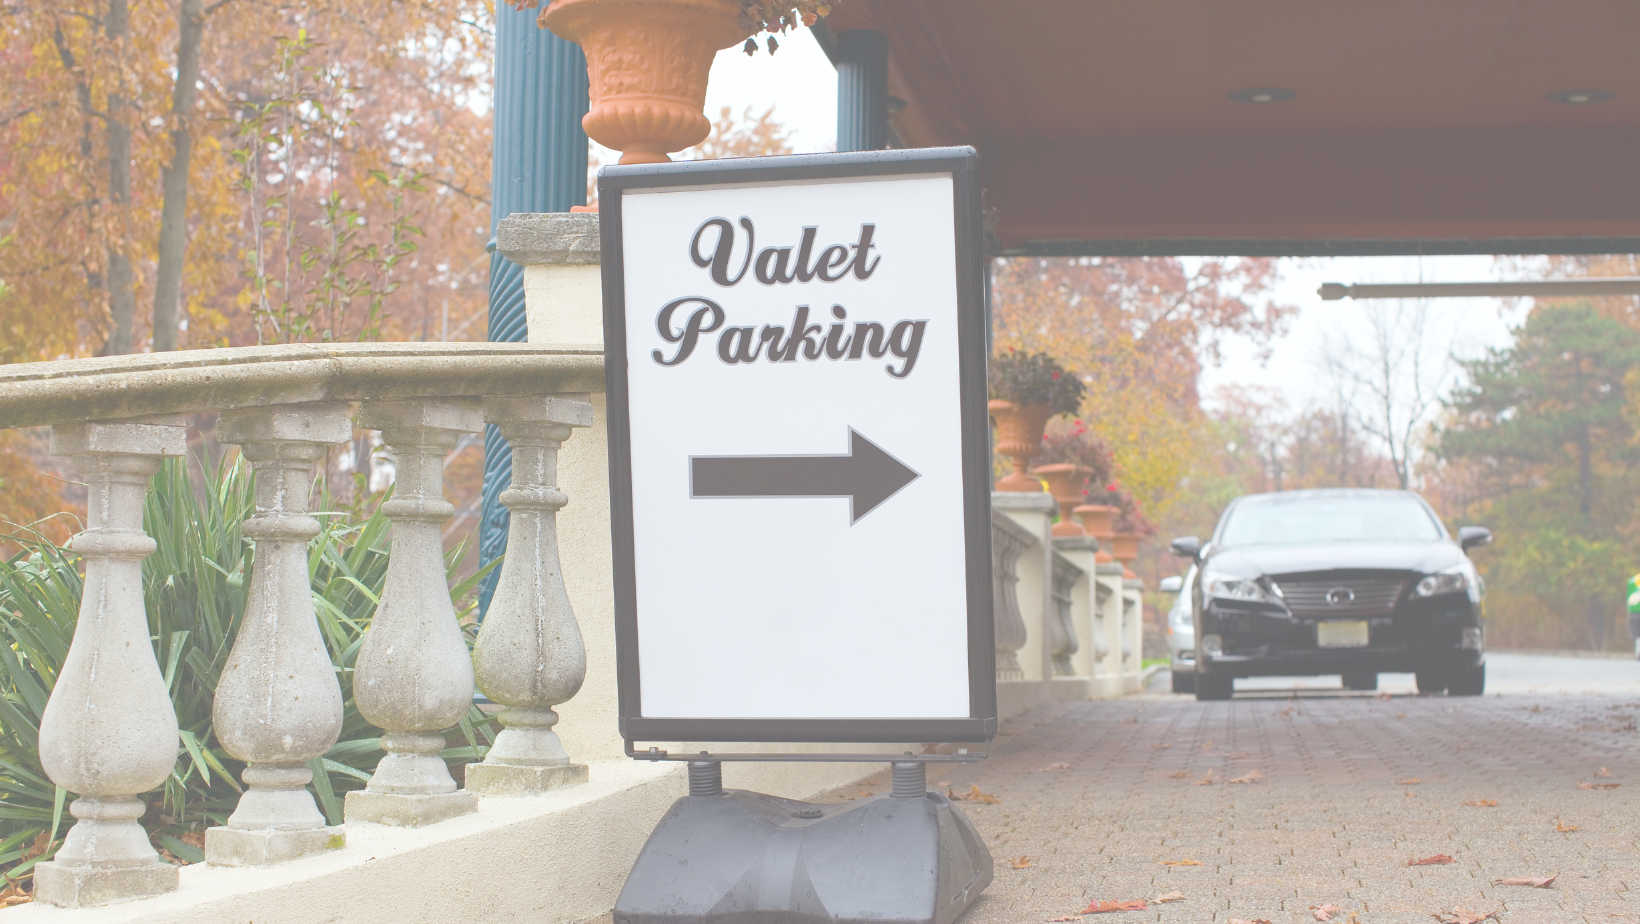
x=1251 y=776
x=1563 y=827
x=1161 y=747
x=1098 y=907
x=1462 y=915
x=1325 y=912
x=1181 y=863
x=1400 y=715
x=1482 y=803
x=1062 y=918
x=1409 y=781
x=1207 y=745
x=1245 y=921
x=1021 y=862
x=1206 y=780
x=1536 y=882
x=943 y=783
x=1598 y=785
x=1182 y=774
x=974 y=795
x=1439 y=859
x=866 y=792
x=1059 y=766
x=1174 y=896
x=1603 y=772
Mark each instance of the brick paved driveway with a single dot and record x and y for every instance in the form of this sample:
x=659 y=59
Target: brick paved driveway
x=1332 y=820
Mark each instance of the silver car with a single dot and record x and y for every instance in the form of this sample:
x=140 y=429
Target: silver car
x=1181 y=630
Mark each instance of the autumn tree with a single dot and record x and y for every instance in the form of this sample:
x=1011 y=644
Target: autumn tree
x=117 y=166
x=1138 y=330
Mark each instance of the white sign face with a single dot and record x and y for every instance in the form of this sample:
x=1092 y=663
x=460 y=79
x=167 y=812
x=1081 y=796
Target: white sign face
x=799 y=542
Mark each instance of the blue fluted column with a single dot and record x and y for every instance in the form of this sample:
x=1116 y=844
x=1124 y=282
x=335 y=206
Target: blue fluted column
x=539 y=165
x=862 y=91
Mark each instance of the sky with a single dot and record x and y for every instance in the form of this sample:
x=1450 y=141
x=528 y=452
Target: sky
x=801 y=85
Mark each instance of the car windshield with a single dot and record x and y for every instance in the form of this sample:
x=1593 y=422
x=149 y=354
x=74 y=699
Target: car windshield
x=1282 y=521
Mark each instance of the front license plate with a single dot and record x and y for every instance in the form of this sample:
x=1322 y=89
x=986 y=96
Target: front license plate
x=1342 y=633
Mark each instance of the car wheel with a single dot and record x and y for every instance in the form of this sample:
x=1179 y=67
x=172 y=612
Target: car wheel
x=1214 y=687
x=1184 y=681
x=1431 y=682
x=1362 y=680
x=1467 y=681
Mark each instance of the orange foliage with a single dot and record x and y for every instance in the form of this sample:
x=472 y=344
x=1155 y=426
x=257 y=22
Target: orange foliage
x=385 y=90
x=1138 y=331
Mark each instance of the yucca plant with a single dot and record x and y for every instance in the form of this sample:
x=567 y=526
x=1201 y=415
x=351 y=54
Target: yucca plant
x=195 y=590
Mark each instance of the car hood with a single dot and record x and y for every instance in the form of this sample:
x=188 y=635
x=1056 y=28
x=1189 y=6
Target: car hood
x=1253 y=561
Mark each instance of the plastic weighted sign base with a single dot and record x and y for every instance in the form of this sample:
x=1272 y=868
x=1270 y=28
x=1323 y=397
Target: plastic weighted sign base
x=743 y=857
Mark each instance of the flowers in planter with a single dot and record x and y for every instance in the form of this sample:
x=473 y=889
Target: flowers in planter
x=1034 y=378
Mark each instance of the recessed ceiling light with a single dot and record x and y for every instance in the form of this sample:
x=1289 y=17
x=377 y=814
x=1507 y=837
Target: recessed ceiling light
x=1580 y=97
x=1259 y=96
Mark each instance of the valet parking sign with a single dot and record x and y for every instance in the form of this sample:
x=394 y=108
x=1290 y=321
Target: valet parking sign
x=795 y=352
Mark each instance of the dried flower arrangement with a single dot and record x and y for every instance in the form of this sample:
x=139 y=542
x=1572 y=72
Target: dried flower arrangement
x=1034 y=378
x=778 y=18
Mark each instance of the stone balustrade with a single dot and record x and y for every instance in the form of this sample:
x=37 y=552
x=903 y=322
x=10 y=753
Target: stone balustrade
x=109 y=734
x=1068 y=626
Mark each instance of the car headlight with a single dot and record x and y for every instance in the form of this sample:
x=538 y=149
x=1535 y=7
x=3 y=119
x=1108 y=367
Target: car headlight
x=1231 y=587
x=1446 y=582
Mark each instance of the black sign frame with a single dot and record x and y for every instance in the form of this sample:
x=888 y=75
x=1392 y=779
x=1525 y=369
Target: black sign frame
x=962 y=164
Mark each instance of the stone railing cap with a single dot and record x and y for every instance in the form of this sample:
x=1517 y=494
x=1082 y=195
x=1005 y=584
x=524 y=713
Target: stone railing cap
x=1109 y=567
x=184 y=381
x=1024 y=500
x=1134 y=583
x=541 y=238
x=1076 y=543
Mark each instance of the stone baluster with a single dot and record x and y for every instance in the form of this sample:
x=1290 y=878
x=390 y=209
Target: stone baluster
x=1009 y=541
x=1101 y=632
x=1062 y=640
x=529 y=655
x=278 y=704
x=413 y=677
x=109 y=732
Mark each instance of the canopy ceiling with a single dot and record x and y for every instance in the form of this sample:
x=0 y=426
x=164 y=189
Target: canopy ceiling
x=1106 y=126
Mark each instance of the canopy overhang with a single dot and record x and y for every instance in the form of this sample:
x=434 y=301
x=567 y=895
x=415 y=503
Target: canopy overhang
x=1108 y=127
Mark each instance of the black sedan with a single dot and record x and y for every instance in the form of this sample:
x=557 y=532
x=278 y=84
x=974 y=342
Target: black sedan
x=1351 y=582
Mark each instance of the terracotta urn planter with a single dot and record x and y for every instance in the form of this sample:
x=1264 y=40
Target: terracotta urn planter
x=1019 y=437
x=1124 y=547
x=1100 y=522
x=1066 y=482
x=647 y=61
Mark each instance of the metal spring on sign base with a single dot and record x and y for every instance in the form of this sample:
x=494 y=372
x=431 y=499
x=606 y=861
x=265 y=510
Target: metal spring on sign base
x=705 y=778
x=910 y=779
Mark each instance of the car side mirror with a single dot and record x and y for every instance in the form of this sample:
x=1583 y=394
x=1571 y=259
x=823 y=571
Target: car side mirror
x=1171 y=584
x=1470 y=537
x=1186 y=547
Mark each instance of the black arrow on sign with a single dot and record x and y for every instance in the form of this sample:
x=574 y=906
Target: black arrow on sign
x=867 y=476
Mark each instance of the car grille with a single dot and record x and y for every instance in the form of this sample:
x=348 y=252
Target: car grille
x=1342 y=597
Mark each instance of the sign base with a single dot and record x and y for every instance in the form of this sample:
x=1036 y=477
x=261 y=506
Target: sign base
x=728 y=856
